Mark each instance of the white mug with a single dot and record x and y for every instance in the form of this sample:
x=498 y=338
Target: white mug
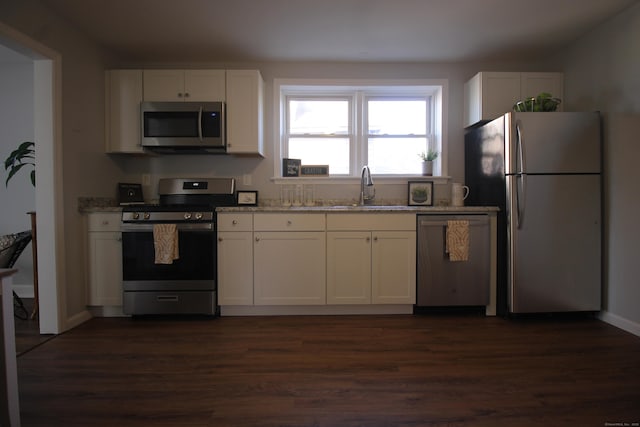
x=459 y=192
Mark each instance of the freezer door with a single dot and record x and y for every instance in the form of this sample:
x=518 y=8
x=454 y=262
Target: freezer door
x=541 y=143
x=555 y=250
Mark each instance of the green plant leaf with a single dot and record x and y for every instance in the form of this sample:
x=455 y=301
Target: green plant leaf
x=23 y=155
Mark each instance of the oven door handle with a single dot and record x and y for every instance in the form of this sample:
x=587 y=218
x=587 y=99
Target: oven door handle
x=130 y=228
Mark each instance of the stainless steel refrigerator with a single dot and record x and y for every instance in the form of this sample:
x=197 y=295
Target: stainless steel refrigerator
x=544 y=172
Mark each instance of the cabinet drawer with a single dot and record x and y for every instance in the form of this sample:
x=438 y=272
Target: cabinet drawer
x=372 y=221
x=289 y=222
x=235 y=222
x=104 y=221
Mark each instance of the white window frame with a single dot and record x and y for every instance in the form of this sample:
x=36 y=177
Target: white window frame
x=436 y=88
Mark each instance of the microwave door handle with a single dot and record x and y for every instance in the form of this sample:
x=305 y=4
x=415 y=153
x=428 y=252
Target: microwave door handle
x=200 y=124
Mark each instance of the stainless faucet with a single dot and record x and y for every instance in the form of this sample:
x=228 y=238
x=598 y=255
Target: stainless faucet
x=366 y=183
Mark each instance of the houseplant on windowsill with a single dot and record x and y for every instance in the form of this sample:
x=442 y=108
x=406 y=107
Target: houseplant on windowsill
x=24 y=155
x=427 y=161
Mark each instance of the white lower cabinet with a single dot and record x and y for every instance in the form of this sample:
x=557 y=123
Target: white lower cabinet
x=393 y=264
x=235 y=259
x=289 y=259
x=348 y=267
x=289 y=268
x=371 y=267
x=320 y=262
x=105 y=259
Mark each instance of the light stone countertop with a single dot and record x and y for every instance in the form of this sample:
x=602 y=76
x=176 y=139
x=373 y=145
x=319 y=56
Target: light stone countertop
x=362 y=209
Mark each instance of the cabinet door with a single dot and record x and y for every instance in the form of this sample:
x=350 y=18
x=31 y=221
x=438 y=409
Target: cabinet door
x=204 y=85
x=235 y=268
x=105 y=264
x=289 y=268
x=532 y=84
x=348 y=267
x=393 y=278
x=123 y=96
x=244 y=112
x=163 y=85
x=499 y=92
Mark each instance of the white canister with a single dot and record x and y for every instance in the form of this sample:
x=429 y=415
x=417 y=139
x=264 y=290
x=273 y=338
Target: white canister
x=459 y=192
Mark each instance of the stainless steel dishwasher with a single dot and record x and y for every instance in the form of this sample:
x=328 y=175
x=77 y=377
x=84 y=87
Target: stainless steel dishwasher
x=442 y=282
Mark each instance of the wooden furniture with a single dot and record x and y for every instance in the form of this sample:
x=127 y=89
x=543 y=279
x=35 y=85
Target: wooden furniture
x=34 y=249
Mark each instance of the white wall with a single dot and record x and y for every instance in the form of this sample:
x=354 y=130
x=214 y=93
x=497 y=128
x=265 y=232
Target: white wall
x=602 y=73
x=85 y=169
x=16 y=126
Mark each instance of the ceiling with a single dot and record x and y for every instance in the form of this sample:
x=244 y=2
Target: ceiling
x=335 y=30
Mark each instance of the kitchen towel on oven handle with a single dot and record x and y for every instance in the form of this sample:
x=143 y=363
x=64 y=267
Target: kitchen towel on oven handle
x=457 y=240
x=165 y=243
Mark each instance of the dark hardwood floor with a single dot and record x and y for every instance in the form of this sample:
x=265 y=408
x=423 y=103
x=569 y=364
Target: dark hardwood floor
x=433 y=370
x=28 y=330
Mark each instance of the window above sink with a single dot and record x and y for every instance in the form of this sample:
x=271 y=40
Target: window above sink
x=349 y=124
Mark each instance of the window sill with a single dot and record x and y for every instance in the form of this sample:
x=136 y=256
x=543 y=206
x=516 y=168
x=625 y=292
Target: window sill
x=341 y=180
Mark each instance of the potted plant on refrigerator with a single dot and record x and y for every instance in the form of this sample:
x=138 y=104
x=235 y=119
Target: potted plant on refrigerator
x=427 y=161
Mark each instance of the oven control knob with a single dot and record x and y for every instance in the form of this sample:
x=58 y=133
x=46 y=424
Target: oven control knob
x=187 y=215
x=147 y=215
x=198 y=215
x=136 y=215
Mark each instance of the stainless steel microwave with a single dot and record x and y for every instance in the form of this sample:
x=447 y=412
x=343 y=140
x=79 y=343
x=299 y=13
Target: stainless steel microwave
x=183 y=127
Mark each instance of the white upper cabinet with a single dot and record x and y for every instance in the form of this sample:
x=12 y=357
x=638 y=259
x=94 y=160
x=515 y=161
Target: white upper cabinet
x=185 y=85
x=123 y=95
x=245 y=112
x=488 y=95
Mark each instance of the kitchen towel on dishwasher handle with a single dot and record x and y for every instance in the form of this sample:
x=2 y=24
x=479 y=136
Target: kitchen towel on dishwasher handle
x=165 y=243
x=457 y=240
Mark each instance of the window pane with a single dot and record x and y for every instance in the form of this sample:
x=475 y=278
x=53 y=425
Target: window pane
x=322 y=151
x=396 y=155
x=397 y=117
x=319 y=117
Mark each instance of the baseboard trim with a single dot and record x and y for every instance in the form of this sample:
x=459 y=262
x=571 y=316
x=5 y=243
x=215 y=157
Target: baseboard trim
x=298 y=310
x=620 y=322
x=77 y=319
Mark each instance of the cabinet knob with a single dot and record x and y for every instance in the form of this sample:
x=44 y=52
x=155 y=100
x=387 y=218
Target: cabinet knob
x=289 y=222
x=186 y=94
x=375 y=239
x=219 y=239
x=234 y=222
x=257 y=239
x=368 y=239
x=105 y=222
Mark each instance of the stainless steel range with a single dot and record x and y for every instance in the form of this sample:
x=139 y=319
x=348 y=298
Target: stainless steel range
x=169 y=258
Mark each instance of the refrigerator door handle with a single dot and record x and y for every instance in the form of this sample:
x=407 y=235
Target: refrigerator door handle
x=521 y=185
x=521 y=177
x=521 y=167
